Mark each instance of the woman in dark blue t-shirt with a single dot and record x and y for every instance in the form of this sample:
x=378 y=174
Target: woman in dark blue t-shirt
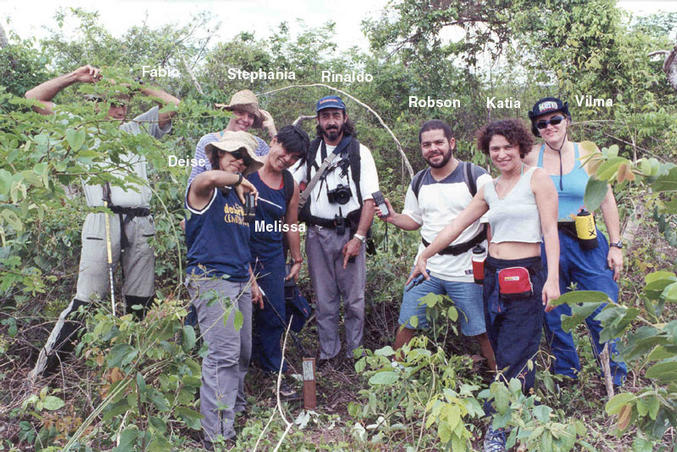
x=276 y=217
x=219 y=278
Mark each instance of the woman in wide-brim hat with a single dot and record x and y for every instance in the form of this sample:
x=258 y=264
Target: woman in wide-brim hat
x=597 y=268
x=247 y=115
x=219 y=277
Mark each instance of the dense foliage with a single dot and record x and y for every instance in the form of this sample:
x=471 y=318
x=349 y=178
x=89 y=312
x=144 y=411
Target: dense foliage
x=138 y=381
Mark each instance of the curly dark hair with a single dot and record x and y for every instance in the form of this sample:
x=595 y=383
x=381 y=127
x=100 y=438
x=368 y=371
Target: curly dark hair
x=511 y=129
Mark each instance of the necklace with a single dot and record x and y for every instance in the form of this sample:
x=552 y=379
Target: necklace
x=559 y=152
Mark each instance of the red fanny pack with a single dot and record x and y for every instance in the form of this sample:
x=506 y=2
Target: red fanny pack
x=515 y=282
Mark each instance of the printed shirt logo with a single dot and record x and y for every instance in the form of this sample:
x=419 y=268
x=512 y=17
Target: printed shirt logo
x=549 y=105
x=233 y=214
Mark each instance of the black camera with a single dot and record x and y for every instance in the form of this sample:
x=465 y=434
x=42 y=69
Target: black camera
x=249 y=207
x=340 y=195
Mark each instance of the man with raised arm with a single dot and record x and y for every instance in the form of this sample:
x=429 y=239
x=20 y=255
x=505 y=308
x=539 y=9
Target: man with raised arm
x=130 y=223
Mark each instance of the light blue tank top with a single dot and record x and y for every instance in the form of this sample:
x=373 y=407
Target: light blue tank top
x=515 y=217
x=572 y=186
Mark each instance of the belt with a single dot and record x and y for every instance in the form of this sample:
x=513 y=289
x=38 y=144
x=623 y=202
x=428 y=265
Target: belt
x=461 y=248
x=131 y=211
x=568 y=227
x=126 y=214
x=324 y=222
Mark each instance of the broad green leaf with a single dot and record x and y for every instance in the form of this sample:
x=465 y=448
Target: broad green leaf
x=670 y=293
x=5 y=181
x=238 y=320
x=188 y=336
x=75 y=139
x=385 y=351
x=595 y=192
x=190 y=417
x=127 y=439
x=579 y=314
x=53 y=403
x=159 y=444
x=654 y=405
x=12 y=219
x=581 y=296
x=665 y=371
x=140 y=383
x=660 y=353
x=608 y=169
x=667 y=182
x=618 y=401
x=158 y=424
x=444 y=432
x=383 y=378
x=121 y=355
x=158 y=399
x=542 y=413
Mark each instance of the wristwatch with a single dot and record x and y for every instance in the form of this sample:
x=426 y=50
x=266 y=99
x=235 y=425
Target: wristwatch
x=359 y=237
x=618 y=245
x=239 y=179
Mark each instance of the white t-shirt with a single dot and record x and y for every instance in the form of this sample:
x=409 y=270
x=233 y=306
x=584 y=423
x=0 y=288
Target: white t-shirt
x=438 y=204
x=319 y=201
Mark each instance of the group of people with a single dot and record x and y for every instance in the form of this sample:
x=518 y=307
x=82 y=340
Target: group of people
x=244 y=204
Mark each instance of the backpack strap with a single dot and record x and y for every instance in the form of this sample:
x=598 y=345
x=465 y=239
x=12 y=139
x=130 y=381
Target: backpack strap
x=417 y=181
x=355 y=166
x=310 y=156
x=288 y=185
x=469 y=179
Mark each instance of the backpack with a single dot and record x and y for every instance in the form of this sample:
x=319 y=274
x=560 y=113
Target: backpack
x=455 y=250
x=468 y=178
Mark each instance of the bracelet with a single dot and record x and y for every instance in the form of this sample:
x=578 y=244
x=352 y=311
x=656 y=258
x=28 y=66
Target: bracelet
x=359 y=237
x=239 y=179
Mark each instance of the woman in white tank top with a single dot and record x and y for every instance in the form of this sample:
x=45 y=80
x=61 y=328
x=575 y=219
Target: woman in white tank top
x=521 y=206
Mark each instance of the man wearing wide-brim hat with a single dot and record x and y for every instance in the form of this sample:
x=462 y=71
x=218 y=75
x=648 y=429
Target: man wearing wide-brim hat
x=219 y=278
x=246 y=115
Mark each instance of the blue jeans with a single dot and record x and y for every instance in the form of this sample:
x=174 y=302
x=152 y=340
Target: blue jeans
x=589 y=270
x=467 y=297
x=514 y=326
x=268 y=327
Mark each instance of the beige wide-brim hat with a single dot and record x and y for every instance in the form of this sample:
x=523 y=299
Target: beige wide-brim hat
x=245 y=100
x=234 y=141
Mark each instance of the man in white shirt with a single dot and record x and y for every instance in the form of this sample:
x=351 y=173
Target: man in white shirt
x=434 y=198
x=337 y=206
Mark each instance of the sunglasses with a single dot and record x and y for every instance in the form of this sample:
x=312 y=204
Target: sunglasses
x=554 y=121
x=239 y=155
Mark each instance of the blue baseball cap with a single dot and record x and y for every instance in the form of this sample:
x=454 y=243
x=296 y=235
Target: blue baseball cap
x=330 y=102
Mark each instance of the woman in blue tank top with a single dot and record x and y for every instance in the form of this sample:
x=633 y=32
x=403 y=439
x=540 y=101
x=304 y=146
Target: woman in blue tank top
x=276 y=216
x=521 y=205
x=219 y=278
x=597 y=268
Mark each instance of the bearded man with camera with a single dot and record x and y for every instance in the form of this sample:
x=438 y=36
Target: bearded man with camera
x=337 y=180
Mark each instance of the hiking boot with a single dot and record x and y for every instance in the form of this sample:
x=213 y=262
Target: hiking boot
x=287 y=391
x=494 y=440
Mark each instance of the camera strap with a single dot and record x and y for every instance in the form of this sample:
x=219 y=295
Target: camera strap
x=305 y=194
